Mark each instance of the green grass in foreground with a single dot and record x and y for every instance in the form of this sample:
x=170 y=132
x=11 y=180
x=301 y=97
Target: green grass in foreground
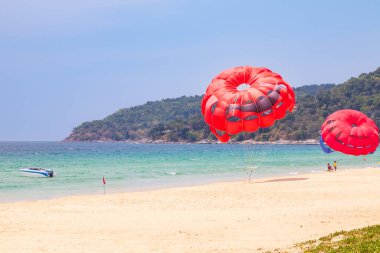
x=359 y=240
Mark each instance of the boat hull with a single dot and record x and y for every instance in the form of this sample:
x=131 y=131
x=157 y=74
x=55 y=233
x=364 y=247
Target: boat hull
x=36 y=173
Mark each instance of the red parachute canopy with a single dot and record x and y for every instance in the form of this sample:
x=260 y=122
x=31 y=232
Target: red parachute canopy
x=350 y=132
x=244 y=99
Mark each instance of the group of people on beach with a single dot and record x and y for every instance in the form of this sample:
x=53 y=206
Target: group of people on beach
x=331 y=169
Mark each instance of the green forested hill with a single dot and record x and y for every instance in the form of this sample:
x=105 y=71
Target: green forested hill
x=180 y=119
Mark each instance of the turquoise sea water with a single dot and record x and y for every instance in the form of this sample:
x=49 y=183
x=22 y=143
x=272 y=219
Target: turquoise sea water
x=130 y=167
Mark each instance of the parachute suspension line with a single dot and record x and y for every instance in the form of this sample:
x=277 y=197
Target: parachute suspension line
x=250 y=159
x=251 y=146
x=254 y=152
x=245 y=143
x=247 y=151
x=234 y=149
x=274 y=136
x=276 y=130
x=261 y=149
x=236 y=156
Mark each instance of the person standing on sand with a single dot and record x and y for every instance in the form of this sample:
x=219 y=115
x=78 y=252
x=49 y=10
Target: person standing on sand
x=334 y=165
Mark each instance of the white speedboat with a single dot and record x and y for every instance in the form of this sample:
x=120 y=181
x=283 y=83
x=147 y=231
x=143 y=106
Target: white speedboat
x=37 y=172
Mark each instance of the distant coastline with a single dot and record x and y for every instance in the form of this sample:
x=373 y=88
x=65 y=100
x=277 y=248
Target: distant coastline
x=206 y=141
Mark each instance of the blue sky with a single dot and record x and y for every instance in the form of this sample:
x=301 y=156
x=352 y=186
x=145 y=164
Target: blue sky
x=66 y=62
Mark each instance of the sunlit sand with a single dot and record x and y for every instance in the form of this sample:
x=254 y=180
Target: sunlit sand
x=265 y=214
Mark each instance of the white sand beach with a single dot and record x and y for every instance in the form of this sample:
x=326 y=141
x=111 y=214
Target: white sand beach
x=266 y=214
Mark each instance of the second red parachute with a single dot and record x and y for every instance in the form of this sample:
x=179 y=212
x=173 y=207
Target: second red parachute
x=350 y=132
x=244 y=99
